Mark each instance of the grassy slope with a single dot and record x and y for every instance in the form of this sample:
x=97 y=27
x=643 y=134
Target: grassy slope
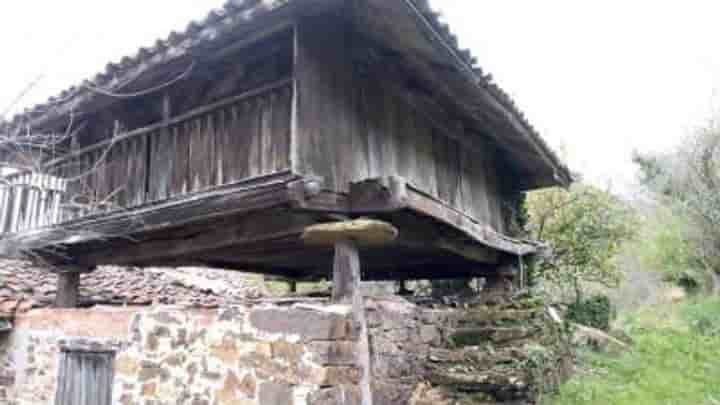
x=675 y=361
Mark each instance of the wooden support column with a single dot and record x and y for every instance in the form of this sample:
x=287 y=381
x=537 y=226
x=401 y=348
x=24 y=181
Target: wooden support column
x=68 y=289
x=346 y=272
x=346 y=237
x=68 y=286
x=346 y=290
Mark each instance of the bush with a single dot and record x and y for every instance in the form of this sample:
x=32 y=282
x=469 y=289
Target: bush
x=595 y=312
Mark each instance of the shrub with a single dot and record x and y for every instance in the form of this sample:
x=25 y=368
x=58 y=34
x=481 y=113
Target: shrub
x=596 y=312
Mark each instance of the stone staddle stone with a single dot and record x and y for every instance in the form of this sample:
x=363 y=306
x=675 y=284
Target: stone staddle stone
x=361 y=231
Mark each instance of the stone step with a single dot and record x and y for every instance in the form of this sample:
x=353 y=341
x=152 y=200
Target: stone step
x=490 y=316
x=497 y=335
x=501 y=386
x=477 y=356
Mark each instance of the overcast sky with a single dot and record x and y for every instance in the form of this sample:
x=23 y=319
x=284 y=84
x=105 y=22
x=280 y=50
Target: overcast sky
x=598 y=78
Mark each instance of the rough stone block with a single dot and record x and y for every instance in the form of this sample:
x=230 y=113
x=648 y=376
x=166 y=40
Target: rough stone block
x=127 y=365
x=309 y=325
x=430 y=334
x=334 y=396
x=287 y=352
x=275 y=394
x=333 y=353
x=332 y=376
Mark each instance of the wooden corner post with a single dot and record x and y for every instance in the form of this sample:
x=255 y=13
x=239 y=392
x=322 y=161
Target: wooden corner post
x=345 y=237
x=68 y=289
x=346 y=273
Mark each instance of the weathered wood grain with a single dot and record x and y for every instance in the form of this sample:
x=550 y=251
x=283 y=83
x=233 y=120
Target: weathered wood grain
x=68 y=290
x=327 y=138
x=85 y=378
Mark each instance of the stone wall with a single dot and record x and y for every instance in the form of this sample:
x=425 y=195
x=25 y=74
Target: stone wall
x=471 y=352
x=402 y=338
x=298 y=354
x=7 y=370
x=265 y=355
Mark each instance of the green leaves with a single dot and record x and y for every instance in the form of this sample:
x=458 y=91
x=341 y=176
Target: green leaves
x=585 y=227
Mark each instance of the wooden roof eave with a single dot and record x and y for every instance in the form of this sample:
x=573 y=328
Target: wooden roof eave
x=201 y=43
x=401 y=26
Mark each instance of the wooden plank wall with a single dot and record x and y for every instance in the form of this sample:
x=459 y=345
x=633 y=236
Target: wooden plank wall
x=236 y=141
x=353 y=126
x=219 y=147
x=403 y=141
x=329 y=136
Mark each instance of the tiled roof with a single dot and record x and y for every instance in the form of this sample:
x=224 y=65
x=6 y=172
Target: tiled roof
x=219 y=24
x=24 y=287
x=216 y=25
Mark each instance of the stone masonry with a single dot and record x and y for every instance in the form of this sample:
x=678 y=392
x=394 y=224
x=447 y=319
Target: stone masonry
x=265 y=355
x=291 y=354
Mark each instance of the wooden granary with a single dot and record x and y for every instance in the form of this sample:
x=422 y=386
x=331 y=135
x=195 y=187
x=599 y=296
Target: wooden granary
x=222 y=144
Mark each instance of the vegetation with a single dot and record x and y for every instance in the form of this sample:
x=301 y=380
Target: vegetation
x=596 y=312
x=674 y=231
x=585 y=228
x=687 y=181
x=674 y=361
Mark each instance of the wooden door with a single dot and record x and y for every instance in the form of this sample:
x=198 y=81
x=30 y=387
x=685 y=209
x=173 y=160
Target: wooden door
x=85 y=378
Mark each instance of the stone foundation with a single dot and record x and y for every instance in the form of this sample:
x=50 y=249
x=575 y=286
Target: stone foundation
x=271 y=354
x=266 y=355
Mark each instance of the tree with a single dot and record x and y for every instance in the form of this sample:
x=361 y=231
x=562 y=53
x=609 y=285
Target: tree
x=584 y=227
x=688 y=181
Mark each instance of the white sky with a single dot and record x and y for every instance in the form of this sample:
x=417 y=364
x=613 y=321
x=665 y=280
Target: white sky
x=597 y=78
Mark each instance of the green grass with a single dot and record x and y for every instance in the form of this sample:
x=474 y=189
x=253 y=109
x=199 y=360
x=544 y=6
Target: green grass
x=675 y=361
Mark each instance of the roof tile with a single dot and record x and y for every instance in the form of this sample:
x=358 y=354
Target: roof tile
x=24 y=287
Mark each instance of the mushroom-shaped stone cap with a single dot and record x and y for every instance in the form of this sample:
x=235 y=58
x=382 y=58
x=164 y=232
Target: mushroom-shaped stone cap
x=362 y=231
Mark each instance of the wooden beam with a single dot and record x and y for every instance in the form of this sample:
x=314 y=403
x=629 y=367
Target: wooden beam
x=258 y=193
x=425 y=204
x=238 y=234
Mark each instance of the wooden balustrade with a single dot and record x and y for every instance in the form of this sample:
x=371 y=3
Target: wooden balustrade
x=238 y=138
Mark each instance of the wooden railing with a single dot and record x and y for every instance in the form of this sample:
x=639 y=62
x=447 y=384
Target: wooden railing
x=29 y=200
x=231 y=140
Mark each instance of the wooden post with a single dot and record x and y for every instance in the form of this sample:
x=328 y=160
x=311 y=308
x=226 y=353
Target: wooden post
x=68 y=289
x=346 y=290
x=345 y=237
x=346 y=272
